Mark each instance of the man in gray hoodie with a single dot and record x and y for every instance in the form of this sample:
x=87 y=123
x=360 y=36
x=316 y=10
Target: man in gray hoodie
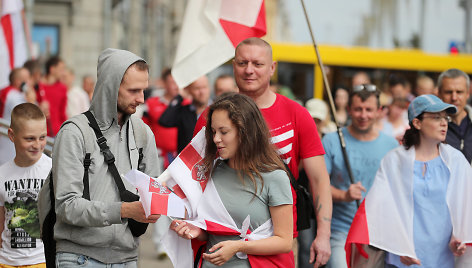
x=95 y=232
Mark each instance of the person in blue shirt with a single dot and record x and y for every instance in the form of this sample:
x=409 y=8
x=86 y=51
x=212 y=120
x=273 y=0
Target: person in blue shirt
x=365 y=146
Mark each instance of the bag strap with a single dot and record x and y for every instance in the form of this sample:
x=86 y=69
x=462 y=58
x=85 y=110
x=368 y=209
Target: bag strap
x=51 y=193
x=109 y=157
x=293 y=181
x=141 y=156
x=87 y=162
x=86 y=193
x=197 y=262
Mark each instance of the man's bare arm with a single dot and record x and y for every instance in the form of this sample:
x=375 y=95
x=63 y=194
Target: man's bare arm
x=318 y=177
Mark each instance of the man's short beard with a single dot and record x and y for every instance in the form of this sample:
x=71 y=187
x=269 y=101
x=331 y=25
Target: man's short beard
x=122 y=111
x=199 y=103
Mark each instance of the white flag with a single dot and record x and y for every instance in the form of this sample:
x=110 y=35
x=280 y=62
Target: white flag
x=13 y=49
x=211 y=30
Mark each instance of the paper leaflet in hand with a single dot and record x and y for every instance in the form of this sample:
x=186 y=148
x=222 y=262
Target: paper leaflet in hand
x=155 y=197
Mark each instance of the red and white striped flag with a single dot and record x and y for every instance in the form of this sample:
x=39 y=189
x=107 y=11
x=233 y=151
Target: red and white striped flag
x=211 y=30
x=13 y=49
x=384 y=220
x=156 y=198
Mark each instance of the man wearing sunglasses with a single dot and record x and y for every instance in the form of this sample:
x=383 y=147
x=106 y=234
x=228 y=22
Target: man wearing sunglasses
x=453 y=88
x=365 y=147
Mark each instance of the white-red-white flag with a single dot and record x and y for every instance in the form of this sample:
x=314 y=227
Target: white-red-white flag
x=186 y=175
x=211 y=30
x=13 y=48
x=156 y=198
x=384 y=219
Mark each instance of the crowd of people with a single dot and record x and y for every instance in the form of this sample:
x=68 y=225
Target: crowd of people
x=53 y=90
x=409 y=148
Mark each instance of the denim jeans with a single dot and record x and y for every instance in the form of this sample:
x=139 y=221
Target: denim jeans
x=338 y=254
x=72 y=260
x=305 y=239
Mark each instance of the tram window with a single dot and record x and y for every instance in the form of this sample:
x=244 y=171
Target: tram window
x=298 y=77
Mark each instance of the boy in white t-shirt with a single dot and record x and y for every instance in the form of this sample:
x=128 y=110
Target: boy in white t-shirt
x=20 y=182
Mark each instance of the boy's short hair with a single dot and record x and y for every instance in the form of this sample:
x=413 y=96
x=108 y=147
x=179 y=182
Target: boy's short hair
x=23 y=112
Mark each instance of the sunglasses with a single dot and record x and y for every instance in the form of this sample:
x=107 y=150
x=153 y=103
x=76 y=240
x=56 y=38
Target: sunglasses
x=366 y=87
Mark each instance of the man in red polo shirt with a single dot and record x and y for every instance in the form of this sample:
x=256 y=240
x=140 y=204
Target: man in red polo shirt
x=293 y=132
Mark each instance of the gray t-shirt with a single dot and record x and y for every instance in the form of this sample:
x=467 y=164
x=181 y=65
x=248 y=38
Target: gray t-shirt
x=240 y=201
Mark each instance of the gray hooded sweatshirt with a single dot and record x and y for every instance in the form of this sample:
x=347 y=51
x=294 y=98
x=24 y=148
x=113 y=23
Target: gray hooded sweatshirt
x=95 y=228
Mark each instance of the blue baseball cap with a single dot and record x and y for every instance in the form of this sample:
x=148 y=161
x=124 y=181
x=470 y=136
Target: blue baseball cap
x=428 y=103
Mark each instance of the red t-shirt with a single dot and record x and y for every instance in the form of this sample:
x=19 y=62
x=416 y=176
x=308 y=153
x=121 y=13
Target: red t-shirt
x=294 y=133
x=56 y=95
x=166 y=137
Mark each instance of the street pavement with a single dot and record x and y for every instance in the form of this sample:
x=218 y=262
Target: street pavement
x=147 y=253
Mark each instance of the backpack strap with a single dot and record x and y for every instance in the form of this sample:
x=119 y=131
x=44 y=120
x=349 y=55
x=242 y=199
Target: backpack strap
x=87 y=162
x=109 y=157
x=51 y=193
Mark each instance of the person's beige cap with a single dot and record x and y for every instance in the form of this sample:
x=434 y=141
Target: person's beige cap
x=317 y=108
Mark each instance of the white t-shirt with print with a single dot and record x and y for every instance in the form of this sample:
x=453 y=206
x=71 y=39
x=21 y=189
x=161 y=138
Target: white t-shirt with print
x=19 y=189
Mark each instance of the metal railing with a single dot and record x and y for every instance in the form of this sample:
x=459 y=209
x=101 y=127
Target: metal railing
x=4 y=125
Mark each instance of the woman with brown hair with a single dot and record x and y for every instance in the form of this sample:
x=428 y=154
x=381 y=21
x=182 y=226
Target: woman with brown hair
x=251 y=182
